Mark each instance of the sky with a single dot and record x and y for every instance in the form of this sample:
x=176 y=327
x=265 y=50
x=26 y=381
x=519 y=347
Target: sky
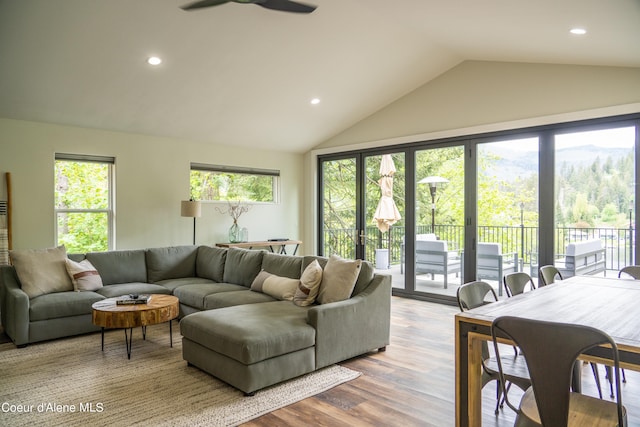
x=618 y=138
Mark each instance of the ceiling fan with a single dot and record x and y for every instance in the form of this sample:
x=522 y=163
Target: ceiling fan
x=283 y=5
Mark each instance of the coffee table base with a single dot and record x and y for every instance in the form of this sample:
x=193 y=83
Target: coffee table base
x=159 y=309
x=128 y=337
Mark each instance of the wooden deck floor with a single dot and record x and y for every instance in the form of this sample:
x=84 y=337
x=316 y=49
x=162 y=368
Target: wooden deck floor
x=412 y=383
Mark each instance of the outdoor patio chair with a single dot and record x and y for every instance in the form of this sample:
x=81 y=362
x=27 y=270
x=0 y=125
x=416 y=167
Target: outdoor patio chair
x=549 y=401
x=472 y=295
x=581 y=258
x=434 y=257
x=428 y=236
x=492 y=264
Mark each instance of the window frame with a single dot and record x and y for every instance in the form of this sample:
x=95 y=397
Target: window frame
x=275 y=184
x=471 y=142
x=110 y=210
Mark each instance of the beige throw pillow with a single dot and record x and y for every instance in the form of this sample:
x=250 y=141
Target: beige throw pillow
x=309 y=283
x=338 y=279
x=282 y=288
x=41 y=271
x=84 y=275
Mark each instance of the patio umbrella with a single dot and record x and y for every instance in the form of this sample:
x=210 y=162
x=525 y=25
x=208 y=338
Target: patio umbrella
x=386 y=213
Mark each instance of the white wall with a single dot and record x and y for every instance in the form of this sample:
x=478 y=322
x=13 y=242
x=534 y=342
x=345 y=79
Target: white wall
x=152 y=177
x=478 y=93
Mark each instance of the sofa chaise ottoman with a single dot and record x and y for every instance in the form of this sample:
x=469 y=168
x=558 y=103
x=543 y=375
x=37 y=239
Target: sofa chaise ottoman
x=253 y=346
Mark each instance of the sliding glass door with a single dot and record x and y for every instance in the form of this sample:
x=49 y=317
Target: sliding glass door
x=507 y=189
x=384 y=219
x=339 y=215
x=437 y=214
x=439 y=220
x=363 y=207
x=595 y=198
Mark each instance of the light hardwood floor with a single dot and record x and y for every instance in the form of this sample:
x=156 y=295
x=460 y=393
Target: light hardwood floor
x=412 y=383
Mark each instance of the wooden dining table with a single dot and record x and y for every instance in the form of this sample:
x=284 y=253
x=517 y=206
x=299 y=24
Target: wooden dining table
x=606 y=303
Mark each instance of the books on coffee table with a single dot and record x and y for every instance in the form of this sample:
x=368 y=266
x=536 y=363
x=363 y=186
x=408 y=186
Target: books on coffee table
x=133 y=299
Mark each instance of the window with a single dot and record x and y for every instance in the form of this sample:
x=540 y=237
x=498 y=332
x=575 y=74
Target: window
x=510 y=201
x=84 y=202
x=223 y=183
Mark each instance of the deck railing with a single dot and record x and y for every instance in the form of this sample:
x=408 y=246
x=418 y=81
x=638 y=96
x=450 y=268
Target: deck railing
x=521 y=239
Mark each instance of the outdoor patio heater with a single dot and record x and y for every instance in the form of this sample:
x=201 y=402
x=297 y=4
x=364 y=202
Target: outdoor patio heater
x=434 y=182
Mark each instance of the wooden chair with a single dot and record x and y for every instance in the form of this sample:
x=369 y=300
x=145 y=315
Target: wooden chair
x=630 y=270
x=549 y=401
x=472 y=295
x=515 y=283
x=548 y=274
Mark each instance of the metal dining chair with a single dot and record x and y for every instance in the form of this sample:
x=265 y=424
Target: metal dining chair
x=515 y=283
x=548 y=274
x=630 y=270
x=472 y=295
x=634 y=272
x=549 y=401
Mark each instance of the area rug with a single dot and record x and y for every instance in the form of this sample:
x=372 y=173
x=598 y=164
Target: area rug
x=71 y=382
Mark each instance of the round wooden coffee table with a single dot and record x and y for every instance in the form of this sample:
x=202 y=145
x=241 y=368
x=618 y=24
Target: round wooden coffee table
x=160 y=308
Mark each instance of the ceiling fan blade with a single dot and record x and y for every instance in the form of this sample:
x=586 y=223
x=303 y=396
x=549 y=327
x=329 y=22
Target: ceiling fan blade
x=203 y=3
x=286 y=6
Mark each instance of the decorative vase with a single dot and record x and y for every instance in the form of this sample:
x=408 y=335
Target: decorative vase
x=235 y=235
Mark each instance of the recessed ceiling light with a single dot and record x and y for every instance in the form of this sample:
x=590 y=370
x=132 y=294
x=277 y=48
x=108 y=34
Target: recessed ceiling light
x=578 y=31
x=154 y=60
x=315 y=101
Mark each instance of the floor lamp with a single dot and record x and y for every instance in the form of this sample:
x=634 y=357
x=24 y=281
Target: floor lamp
x=192 y=209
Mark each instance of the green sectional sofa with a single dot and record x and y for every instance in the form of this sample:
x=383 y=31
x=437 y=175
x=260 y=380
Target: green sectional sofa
x=245 y=335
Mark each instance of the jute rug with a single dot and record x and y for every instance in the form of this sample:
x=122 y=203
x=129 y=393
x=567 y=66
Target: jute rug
x=71 y=382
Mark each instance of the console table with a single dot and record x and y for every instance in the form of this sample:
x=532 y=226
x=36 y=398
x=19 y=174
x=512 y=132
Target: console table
x=264 y=244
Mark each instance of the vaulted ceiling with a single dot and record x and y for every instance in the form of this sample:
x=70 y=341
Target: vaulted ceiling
x=244 y=75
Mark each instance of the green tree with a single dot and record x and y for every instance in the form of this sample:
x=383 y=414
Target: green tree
x=227 y=186
x=82 y=186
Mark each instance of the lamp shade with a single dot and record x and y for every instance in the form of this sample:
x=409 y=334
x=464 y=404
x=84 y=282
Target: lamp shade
x=190 y=208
